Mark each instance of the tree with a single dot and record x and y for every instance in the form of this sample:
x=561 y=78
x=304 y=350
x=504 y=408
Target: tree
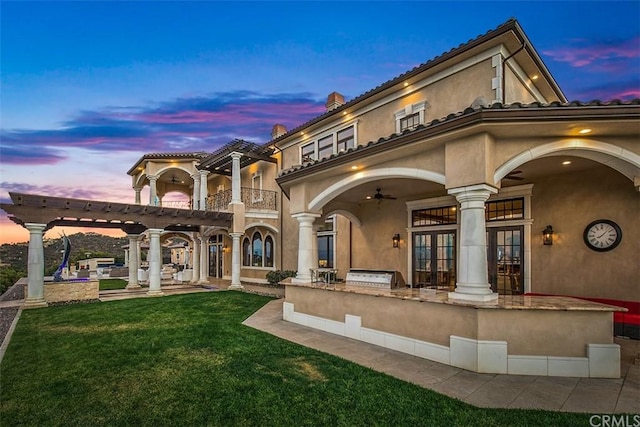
x=9 y=276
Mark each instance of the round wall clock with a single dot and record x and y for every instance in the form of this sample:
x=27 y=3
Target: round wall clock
x=602 y=235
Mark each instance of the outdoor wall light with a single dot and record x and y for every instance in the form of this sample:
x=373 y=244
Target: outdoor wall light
x=396 y=240
x=547 y=235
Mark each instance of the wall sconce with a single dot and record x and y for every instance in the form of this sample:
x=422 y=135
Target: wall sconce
x=547 y=235
x=396 y=240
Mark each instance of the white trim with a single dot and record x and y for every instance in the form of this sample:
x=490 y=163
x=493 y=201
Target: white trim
x=618 y=158
x=369 y=175
x=261 y=214
x=261 y=224
x=418 y=107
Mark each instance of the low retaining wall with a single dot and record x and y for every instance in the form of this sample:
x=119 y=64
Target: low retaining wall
x=71 y=291
x=518 y=335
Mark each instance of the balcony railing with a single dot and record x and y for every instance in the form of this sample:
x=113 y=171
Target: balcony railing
x=252 y=199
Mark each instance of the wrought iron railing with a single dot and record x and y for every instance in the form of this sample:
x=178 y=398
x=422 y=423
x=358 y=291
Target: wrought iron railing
x=251 y=197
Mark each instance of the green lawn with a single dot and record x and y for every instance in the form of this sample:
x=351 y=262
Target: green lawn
x=111 y=284
x=187 y=361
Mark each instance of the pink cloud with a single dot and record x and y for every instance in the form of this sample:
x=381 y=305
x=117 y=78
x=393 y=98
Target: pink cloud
x=600 y=54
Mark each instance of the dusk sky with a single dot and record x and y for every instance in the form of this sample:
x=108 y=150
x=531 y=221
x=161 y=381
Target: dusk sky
x=88 y=87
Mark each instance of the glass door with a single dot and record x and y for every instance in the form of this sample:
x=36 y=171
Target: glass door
x=434 y=259
x=504 y=252
x=216 y=252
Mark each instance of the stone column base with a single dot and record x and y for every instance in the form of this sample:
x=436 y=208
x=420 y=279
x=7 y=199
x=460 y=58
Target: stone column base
x=133 y=286
x=35 y=303
x=155 y=293
x=492 y=297
x=235 y=287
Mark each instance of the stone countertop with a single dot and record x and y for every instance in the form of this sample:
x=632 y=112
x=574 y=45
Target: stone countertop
x=505 y=302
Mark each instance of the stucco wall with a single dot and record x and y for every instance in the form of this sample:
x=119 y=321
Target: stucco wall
x=548 y=332
x=372 y=245
x=569 y=202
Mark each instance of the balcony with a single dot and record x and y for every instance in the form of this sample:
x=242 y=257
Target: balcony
x=252 y=199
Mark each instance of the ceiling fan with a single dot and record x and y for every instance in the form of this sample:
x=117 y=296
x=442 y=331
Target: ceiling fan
x=514 y=176
x=378 y=196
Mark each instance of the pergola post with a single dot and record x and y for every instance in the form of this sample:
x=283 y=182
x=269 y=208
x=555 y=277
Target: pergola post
x=155 y=262
x=35 y=267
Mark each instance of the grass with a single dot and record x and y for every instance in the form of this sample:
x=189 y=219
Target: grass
x=187 y=360
x=111 y=284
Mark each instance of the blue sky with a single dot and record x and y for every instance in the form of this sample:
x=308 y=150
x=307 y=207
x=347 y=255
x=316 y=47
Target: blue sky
x=88 y=87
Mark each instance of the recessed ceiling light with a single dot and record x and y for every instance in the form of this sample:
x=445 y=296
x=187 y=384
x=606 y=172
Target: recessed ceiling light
x=354 y=167
x=406 y=84
x=566 y=162
x=368 y=197
x=534 y=77
x=584 y=131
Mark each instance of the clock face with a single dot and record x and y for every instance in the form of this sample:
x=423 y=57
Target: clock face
x=602 y=235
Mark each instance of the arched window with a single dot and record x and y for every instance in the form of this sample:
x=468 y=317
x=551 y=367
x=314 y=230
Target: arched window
x=268 y=252
x=246 y=252
x=257 y=249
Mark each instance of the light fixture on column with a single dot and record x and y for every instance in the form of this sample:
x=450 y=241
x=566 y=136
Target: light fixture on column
x=396 y=240
x=547 y=235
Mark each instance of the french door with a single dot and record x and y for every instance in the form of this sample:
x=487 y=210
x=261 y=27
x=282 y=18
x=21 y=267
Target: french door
x=215 y=256
x=434 y=259
x=505 y=248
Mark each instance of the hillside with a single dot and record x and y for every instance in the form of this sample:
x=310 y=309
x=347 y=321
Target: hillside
x=15 y=254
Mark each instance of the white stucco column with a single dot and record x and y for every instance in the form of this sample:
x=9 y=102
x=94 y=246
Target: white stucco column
x=196 y=260
x=132 y=261
x=35 y=267
x=305 y=246
x=204 y=190
x=314 y=246
x=195 y=197
x=153 y=191
x=472 y=278
x=236 y=196
x=155 y=262
x=126 y=257
x=236 y=258
x=204 y=260
x=138 y=190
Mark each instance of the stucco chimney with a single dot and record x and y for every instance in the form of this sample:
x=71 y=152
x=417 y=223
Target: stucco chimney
x=278 y=130
x=334 y=100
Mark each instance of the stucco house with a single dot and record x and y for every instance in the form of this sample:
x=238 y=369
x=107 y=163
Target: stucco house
x=460 y=185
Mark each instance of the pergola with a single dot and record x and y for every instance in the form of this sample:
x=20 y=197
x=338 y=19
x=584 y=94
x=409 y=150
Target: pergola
x=38 y=213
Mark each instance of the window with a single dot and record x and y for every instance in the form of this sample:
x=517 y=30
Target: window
x=308 y=152
x=258 y=252
x=246 y=252
x=346 y=139
x=336 y=142
x=410 y=116
x=268 y=252
x=325 y=147
x=504 y=209
x=434 y=216
x=409 y=122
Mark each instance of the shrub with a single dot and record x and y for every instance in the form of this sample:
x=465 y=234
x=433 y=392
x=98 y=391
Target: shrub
x=275 y=277
x=9 y=276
